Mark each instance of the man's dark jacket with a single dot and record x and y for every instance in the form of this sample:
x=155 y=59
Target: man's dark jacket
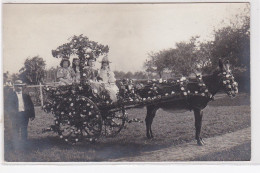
x=12 y=105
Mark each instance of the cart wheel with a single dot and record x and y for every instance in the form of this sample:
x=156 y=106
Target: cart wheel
x=113 y=122
x=90 y=119
x=68 y=122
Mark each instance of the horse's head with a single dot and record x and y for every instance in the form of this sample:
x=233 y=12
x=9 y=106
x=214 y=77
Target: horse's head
x=226 y=79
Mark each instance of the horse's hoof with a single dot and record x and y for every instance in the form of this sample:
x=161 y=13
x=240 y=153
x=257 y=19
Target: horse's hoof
x=202 y=140
x=200 y=143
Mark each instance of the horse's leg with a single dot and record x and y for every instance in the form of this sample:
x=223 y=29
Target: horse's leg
x=147 y=121
x=151 y=110
x=198 y=113
x=151 y=120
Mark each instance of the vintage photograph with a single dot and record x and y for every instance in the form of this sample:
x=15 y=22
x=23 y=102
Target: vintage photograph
x=136 y=82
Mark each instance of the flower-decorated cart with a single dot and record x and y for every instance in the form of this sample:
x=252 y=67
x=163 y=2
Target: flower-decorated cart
x=84 y=114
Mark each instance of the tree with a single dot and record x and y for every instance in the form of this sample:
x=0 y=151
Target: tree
x=82 y=47
x=156 y=63
x=119 y=74
x=232 y=41
x=181 y=60
x=33 y=70
x=139 y=75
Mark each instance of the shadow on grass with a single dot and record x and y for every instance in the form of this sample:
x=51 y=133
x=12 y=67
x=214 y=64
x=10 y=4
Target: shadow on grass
x=99 y=151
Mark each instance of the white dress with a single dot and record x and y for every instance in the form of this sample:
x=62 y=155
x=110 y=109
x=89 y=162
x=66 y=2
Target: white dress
x=108 y=79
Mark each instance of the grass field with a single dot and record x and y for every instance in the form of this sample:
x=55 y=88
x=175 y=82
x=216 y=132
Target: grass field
x=222 y=116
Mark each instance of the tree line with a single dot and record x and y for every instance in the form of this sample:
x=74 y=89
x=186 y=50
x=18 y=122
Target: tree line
x=231 y=42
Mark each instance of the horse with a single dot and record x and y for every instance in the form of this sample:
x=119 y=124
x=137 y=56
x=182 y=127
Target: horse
x=220 y=79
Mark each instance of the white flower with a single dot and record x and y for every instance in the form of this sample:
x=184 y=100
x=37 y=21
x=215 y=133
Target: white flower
x=183 y=78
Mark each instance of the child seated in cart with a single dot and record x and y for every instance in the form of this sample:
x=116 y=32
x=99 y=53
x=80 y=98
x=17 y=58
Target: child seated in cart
x=108 y=79
x=65 y=73
x=91 y=75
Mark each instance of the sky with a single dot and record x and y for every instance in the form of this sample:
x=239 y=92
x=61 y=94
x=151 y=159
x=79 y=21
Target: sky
x=130 y=30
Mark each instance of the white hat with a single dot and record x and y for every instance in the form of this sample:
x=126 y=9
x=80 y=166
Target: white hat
x=105 y=59
x=19 y=82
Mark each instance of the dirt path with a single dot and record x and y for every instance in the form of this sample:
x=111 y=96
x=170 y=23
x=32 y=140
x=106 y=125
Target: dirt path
x=190 y=151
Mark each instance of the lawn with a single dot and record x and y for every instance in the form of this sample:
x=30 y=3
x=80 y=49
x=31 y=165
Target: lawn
x=222 y=116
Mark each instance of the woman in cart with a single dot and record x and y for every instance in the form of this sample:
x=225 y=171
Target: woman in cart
x=108 y=79
x=91 y=75
x=65 y=73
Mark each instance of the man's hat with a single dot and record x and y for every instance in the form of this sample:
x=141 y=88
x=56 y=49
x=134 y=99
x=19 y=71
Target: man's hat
x=105 y=59
x=19 y=83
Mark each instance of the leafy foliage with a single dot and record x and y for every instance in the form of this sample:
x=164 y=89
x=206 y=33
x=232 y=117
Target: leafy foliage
x=180 y=60
x=33 y=70
x=231 y=42
x=130 y=75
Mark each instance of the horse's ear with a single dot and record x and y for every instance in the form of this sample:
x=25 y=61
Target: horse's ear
x=220 y=63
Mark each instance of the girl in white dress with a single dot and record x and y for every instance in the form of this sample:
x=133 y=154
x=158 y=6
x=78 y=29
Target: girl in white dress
x=108 y=79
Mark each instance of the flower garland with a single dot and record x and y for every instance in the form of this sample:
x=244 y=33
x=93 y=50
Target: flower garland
x=76 y=108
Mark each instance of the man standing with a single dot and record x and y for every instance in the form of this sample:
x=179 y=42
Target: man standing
x=21 y=109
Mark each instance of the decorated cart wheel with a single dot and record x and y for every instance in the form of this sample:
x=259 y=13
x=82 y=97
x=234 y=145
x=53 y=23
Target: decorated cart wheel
x=113 y=122
x=67 y=121
x=90 y=119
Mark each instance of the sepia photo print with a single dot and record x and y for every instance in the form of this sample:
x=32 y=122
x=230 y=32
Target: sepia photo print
x=133 y=82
